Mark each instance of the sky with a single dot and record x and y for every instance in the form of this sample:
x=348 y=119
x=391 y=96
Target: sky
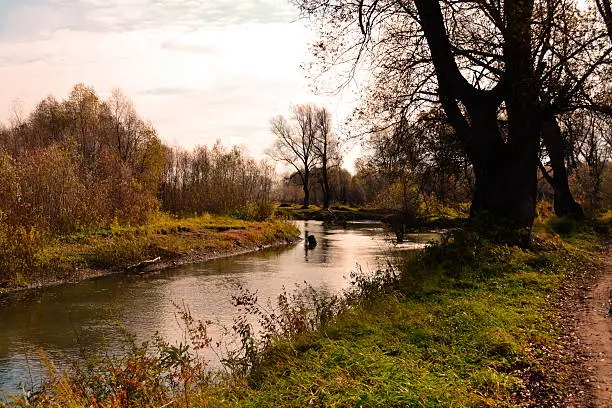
x=199 y=70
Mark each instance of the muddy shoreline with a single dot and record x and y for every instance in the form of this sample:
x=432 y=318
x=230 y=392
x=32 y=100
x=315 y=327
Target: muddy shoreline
x=184 y=259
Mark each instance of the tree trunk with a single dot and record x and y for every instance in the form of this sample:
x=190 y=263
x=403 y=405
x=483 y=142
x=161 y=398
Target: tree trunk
x=563 y=201
x=505 y=168
x=504 y=198
x=505 y=179
x=325 y=185
x=305 y=182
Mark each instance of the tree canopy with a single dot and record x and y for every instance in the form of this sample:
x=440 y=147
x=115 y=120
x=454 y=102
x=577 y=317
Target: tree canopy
x=501 y=71
x=306 y=143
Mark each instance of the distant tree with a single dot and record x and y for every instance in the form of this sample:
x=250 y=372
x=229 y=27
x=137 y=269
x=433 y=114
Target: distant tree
x=127 y=130
x=588 y=152
x=84 y=109
x=326 y=147
x=47 y=124
x=366 y=183
x=218 y=180
x=295 y=143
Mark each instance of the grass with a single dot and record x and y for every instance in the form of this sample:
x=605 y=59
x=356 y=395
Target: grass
x=314 y=212
x=116 y=248
x=447 y=219
x=465 y=324
x=468 y=335
x=298 y=212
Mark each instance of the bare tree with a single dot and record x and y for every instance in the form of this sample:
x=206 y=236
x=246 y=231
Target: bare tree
x=295 y=143
x=326 y=147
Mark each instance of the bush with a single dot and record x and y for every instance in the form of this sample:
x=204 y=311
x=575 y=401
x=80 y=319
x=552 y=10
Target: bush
x=255 y=211
x=563 y=225
x=19 y=250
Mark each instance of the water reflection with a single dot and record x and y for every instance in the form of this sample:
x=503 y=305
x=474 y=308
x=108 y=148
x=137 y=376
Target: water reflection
x=53 y=318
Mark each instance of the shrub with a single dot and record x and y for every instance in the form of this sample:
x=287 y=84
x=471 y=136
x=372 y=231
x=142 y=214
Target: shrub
x=563 y=225
x=256 y=211
x=19 y=250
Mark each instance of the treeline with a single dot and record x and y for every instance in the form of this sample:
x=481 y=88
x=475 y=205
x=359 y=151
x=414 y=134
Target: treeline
x=344 y=188
x=413 y=167
x=431 y=193
x=216 y=180
x=419 y=167
x=84 y=163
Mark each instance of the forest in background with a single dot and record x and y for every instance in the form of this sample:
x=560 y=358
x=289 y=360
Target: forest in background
x=85 y=167
x=84 y=163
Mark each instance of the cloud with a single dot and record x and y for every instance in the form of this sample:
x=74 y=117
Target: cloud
x=198 y=70
x=31 y=19
x=166 y=91
x=174 y=45
x=211 y=13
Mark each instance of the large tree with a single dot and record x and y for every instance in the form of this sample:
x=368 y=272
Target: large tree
x=500 y=70
x=295 y=143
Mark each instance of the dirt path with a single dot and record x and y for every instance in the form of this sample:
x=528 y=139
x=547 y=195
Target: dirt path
x=595 y=332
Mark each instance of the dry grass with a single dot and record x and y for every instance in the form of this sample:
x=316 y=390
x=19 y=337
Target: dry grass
x=73 y=256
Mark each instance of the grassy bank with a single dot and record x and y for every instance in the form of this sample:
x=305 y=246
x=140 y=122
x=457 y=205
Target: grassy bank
x=40 y=259
x=450 y=219
x=466 y=323
x=314 y=212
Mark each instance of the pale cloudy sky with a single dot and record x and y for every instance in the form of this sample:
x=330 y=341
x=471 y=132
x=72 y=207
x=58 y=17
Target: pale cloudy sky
x=197 y=69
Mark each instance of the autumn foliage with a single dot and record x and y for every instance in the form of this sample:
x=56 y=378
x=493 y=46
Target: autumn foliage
x=83 y=164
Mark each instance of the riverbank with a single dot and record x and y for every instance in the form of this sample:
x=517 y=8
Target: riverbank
x=338 y=214
x=466 y=323
x=162 y=243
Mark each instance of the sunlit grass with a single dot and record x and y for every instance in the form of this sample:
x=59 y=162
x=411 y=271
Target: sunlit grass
x=463 y=335
x=465 y=324
x=115 y=248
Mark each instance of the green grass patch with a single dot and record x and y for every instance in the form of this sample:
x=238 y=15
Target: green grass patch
x=116 y=248
x=462 y=325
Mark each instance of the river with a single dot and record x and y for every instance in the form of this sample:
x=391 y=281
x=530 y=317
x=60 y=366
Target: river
x=63 y=320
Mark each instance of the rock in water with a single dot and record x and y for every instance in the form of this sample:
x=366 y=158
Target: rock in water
x=312 y=241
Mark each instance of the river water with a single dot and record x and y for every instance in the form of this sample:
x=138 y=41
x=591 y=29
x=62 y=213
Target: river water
x=64 y=320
